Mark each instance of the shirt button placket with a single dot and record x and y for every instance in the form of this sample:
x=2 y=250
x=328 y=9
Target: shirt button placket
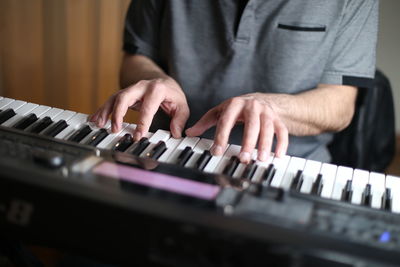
x=246 y=24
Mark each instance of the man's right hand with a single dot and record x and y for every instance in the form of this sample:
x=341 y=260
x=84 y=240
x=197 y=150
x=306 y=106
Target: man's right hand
x=146 y=96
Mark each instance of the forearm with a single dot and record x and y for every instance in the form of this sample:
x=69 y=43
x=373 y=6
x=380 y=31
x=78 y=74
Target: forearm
x=135 y=68
x=328 y=108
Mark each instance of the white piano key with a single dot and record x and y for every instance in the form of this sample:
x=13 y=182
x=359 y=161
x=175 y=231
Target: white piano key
x=171 y=144
x=39 y=110
x=15 y=105
x=74 y=121
x=21 y=113
x=203 y=145
x=4 y=102
x=187 y=141
x=239 y=170
x=261 y=167
x=328 y=172
x=159 y=135
x=114 y=138
x=64 y=115
x=377 y=182
x=295 y=164
x=232 y=150
x=393 y=182
x=280 y=166
x=214 y=162
x=342 y=175
x=111 y=136
x=132 y=147
x=359 y=182
x=241 y=167
x=94 y=129
x=310 y=173
x=52 y=113
x=24 y=107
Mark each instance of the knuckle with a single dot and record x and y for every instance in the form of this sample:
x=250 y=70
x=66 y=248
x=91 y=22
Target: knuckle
x=158 y=86
x=234 y=101
x=120 y=97
x=268 y=123
x=267 y=117
x=140 y=83
x=254 y=103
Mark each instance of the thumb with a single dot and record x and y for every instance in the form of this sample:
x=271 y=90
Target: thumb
x=206 y=122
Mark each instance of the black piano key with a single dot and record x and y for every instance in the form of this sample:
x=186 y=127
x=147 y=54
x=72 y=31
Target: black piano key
x=387 y=200
x=25 y=122
x=184 y=156
x=140 y=146
x=347 y=192
x=158 y=150
x=268 y=175
x=230 y=168
x=257 y=187
x=123 y=143
x=254 y=189
x=249 y=170
x=56 y=128
x=6 y=115
x=366 y=197
x=297 y=181
x=41 y=125
x=80 y=134
x=97 y=137
x=317 y=186
x=203 y=160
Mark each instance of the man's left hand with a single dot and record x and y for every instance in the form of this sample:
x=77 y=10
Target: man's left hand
x=261 y=123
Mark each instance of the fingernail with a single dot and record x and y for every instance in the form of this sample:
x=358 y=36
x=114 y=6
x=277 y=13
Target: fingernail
x=100 y=122
x=137 y=136
x=244 y=157
x=216 y=150
x=263 y=156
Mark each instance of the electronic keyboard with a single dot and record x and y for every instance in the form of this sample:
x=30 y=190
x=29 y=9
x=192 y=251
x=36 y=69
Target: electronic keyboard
x=66 y=183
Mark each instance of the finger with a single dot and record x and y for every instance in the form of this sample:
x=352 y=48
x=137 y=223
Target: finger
x=123 y=101
x=150 y=104
x=225 y=124
x=101 y=115
x=251 y=132
x=207 y=121
x=178 y=120
x=105 y=112
x=282 y=137
x=265 y=139
x=121 y=105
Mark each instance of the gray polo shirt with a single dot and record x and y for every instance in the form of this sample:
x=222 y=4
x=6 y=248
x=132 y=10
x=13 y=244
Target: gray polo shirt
x=218 y=49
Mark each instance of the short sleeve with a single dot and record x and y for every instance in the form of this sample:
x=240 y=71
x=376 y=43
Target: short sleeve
x=141 y=32
x=353 y=56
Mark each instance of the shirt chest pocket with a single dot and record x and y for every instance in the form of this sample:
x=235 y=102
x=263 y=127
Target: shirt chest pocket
x=300 y=32
x=297 y=54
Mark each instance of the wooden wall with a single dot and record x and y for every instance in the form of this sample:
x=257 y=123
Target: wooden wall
x=61 y=53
